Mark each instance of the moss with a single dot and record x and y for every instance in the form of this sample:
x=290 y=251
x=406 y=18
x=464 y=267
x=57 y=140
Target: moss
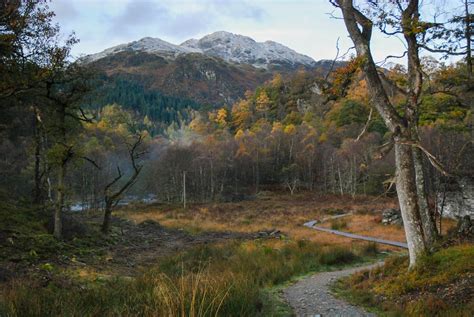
x=437 y=286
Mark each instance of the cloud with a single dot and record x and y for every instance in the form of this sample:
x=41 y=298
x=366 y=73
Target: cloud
x=178 y=19
x=238 y=9
x=64 y=10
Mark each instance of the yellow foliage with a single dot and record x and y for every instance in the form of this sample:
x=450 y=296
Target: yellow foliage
x=323 y=137
x=239 y=135
x=277 y=127
x=290 y=129
x=277 y=81
x=263 y=102
x=241 y=114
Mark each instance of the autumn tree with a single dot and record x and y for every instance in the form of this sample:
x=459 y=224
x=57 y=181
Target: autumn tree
x=403 y=126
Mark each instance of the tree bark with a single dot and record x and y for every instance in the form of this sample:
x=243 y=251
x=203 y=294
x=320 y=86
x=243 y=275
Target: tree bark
x=59 y=202
x=61 y=174
x=468 y=35
x=428 y=222
x=408 y=200
x=410 y=21
x=38 y=190
x=107 y=216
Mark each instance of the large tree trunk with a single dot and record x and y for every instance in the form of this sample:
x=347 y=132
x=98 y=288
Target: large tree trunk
x=409 y=22
x=408 y=200
x=429 y=226
x=360 y=31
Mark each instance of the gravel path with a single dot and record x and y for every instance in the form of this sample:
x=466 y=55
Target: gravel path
x=311 y=224
x=311 y=296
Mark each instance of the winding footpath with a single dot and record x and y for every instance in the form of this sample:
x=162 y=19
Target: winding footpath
x=311 y=224
x=311 y=296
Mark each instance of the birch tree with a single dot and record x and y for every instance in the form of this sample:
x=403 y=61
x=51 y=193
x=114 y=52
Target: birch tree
x=402 y=125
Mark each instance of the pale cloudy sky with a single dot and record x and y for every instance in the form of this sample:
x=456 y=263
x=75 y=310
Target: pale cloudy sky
x=303 y=25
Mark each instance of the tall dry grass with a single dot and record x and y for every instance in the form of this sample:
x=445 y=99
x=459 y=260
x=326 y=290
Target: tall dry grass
x=220 y=280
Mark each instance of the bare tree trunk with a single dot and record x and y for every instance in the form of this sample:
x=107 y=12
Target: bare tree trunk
x=38 y=190
x=408 y=200
x=340 y=180
x=410 y=17
x=61 y=174
x=429 y=226
x=59 y=202
x=107 y=216
x=468 y=35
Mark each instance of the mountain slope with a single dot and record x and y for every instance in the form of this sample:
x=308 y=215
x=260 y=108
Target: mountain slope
x=214 y=70
x=204 y=79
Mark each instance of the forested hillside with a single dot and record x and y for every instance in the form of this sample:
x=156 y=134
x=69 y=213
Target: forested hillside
x=304 y=133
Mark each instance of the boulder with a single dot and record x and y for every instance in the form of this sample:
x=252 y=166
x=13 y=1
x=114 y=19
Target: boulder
x=457 y=199
x=391 y=216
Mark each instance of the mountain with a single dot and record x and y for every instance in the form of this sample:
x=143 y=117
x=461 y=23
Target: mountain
x=201 y=78
x=233 y=48
x=215 y=70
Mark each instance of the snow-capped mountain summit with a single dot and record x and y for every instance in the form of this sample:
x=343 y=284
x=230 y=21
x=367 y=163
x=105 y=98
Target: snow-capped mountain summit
x=230 y=47
x=146 y=44
x=244 y=50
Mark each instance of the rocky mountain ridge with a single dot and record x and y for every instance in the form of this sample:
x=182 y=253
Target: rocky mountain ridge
x=233 y=48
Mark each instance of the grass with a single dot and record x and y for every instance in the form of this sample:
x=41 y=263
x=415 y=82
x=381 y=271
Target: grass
x=226 y=280
x=234 y=278
x=275 y=210
x=338 y=224
x=441 y=285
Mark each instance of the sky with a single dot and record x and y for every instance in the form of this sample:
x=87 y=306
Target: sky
x=307 y=26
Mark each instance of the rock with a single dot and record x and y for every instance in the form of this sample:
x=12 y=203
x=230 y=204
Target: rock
x=391 y=216
x=465 y=227
x=456 y=199
x=275 y=233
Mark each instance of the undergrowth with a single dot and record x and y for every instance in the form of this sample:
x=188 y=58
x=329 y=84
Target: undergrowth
x=440 y=285
x=224 y=280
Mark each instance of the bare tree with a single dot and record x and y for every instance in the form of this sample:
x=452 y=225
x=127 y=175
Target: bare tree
x=112 y=197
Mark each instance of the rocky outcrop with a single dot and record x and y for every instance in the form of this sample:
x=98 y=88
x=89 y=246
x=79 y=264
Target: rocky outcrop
x=457 y=200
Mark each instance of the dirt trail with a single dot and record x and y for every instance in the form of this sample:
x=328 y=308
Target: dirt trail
x=311 y=296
